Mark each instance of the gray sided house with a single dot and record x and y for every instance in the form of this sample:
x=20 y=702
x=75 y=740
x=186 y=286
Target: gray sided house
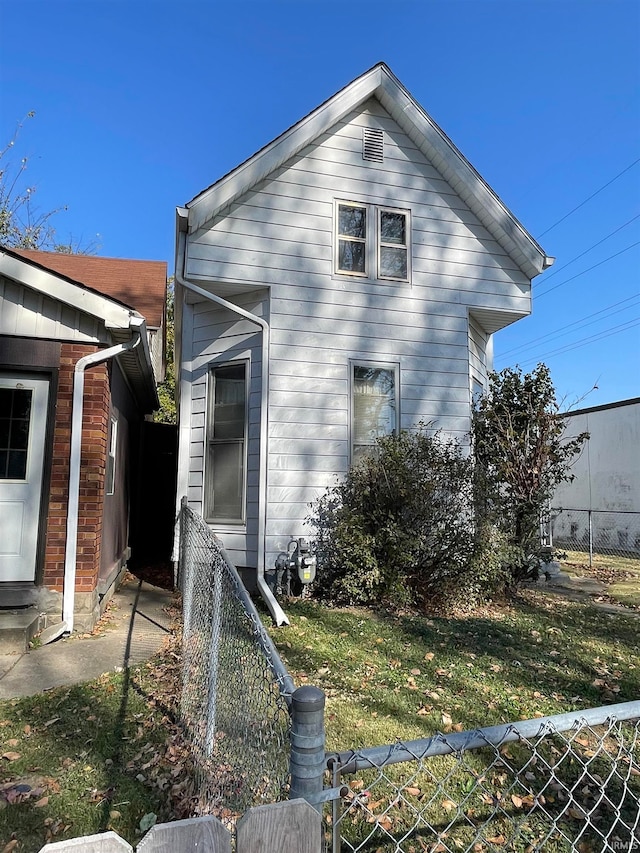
x=342 y=283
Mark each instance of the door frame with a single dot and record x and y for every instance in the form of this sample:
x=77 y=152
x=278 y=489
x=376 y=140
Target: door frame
x=50 y=374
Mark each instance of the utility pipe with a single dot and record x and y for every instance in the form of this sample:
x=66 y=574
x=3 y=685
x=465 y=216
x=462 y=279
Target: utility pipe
x=77 y=413
x=276 y=611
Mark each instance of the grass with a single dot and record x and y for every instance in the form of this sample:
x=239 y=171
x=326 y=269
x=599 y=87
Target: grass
x=105 y=754
x=400 y=677
x=407 y=676
x=97 y=756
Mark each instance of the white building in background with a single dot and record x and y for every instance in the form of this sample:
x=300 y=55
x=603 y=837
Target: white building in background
x=606 y=486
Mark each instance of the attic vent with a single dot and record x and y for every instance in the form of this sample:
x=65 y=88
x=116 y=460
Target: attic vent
x=372 y=144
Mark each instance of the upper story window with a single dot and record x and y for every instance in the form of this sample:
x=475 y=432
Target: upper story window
x=372 y=242
x=352 y=238
x=393 y=247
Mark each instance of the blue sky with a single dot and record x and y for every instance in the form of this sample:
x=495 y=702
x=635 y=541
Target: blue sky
x=140 y=104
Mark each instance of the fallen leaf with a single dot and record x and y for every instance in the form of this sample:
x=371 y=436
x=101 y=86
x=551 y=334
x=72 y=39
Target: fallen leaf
x=10 y=846
x=449 y=805
x=414 y=792
x=11 y=756
x=429 y=656
x=446 y=719
x=497 y=839
x=43 y=801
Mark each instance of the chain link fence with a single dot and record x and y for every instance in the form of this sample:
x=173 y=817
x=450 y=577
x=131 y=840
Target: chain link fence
x=236 y=691
x=595 y=532
x=564 y=783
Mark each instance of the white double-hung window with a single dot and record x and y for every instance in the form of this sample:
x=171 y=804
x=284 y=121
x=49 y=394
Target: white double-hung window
x=374 y=405
x=352 y=238
x=372 y=241
x=225 y=467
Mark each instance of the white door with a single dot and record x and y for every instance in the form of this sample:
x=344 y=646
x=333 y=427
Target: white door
x=23 y=421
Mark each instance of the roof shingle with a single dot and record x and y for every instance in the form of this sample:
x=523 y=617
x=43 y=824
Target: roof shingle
x=139 y=284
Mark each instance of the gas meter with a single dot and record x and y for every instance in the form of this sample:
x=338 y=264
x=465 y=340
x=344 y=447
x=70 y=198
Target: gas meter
x=296 y=568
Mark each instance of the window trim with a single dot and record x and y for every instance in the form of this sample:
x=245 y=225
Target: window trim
x=209 y=441
x=112 y=451
x=393 y=366
x=372 y=240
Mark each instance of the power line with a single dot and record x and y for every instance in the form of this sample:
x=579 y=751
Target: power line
x=555 y=333
x=577 y=275
x=615 y=330
x=593 y=195
x=586 y=251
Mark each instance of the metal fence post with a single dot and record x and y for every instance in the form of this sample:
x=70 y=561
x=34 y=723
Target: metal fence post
x=307 y=761
x=590 y=539
x=214 y=658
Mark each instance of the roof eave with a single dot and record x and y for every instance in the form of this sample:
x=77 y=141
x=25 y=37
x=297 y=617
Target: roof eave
x=380 y=82
x=118 y=320
x=207 y=204
x=56 y=287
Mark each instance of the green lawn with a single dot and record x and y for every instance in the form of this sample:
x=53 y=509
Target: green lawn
x=390 y=678
x=107 y=754
x=408 y=676
x=97 y=756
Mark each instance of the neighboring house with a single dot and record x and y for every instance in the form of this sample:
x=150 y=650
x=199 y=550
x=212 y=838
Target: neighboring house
x=67 y=458
x=606 y=486
x=342 y=283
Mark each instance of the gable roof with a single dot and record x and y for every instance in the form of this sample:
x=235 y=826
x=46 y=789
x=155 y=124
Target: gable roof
x=138 y=284
x=119 y=319
x=379 y=82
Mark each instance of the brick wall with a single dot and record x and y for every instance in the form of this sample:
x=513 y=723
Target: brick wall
x=92 y=472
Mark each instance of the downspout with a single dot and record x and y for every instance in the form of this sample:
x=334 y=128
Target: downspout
x=276 y=611
x=77 y=413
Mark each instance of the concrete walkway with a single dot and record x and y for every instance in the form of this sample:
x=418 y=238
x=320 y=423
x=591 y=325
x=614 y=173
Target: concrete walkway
x=131 y=631
x=581 y=589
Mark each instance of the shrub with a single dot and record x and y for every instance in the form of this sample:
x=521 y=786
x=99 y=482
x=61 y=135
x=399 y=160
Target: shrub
x=399 y=527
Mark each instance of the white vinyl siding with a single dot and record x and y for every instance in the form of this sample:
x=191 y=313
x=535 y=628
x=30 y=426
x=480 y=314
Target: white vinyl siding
x=477 y=358
x=274 y=252
x=27 y=313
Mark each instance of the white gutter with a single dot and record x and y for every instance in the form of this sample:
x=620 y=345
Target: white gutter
x=276 y=611
x=77 y=412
